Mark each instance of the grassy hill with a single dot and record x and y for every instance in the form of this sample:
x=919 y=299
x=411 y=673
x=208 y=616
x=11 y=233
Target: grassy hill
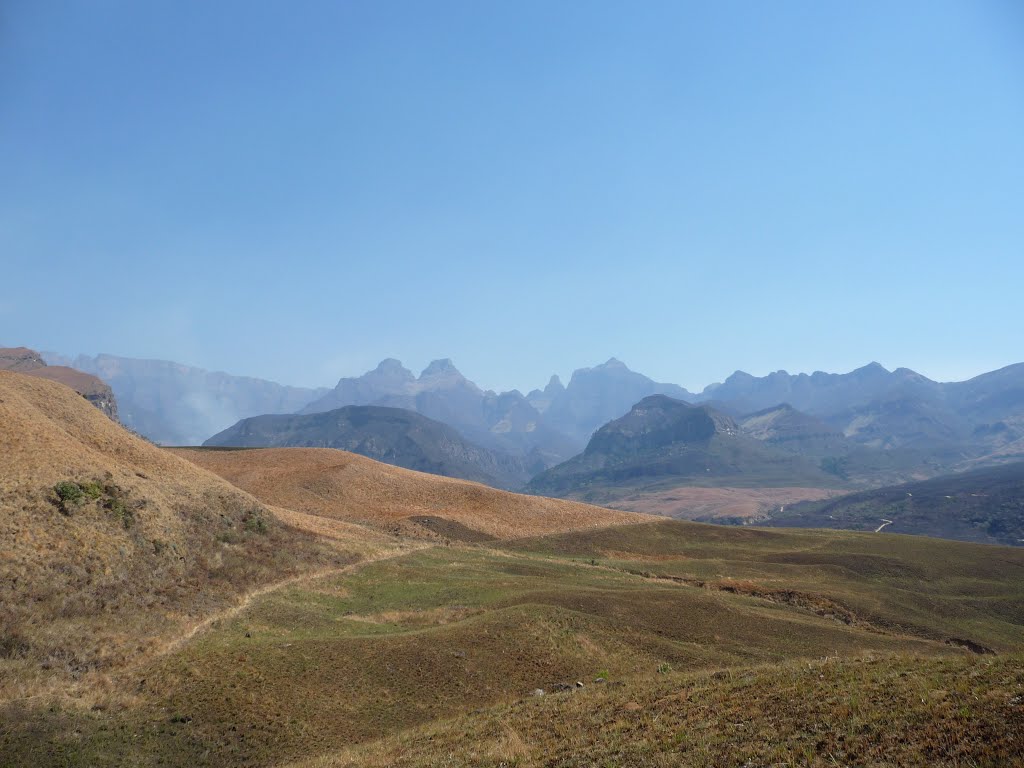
x=111 y=544
x=713 y=645
x=984 y=505
x=678 y=619
x=341 y=485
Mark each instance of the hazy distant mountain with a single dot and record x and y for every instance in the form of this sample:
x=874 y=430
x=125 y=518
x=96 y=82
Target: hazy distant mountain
x=30 y=362
x=176 y=404
x=392 y=435
x=819 y=394
x=541 y=399
x=596 y=395
x=788 y=429
x=505 y=422
x=666 y=441
x=985 y=505
x=944 y=424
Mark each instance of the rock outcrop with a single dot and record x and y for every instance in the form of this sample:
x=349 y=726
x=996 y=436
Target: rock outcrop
x=30 y=362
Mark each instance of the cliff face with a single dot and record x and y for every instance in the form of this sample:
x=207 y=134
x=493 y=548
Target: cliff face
x=29 y=362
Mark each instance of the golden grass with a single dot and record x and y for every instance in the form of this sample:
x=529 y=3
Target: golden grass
x=88 y=586
x=344 y=486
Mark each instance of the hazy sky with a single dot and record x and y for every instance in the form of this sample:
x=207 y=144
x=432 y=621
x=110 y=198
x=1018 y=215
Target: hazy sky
x=295 y=190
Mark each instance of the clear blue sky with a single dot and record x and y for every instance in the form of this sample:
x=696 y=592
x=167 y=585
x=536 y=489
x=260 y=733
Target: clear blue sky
x=297 y=190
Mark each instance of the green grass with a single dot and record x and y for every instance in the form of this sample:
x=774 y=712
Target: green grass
x=875 y=711
x=424 y=640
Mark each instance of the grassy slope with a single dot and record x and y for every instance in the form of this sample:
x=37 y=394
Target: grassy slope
x=462 y=634
x=342 y=485
x=156 y=543
x=447 y=631
x=881 y=711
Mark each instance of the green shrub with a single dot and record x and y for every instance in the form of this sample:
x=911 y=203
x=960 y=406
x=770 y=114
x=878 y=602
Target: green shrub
x=116 y=506
x=92 y=489
x=255 y=522
x=69 y=495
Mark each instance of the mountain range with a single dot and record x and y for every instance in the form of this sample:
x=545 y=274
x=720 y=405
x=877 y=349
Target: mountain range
x=865 y=428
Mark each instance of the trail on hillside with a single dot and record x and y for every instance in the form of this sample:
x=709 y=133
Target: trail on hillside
x=249 y=597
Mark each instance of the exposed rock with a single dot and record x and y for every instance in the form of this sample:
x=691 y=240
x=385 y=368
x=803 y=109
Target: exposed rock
x=30 y=362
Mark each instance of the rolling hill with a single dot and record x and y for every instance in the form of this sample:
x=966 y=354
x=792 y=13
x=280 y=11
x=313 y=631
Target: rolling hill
x=111 y=544
x=341 y=485
x=209 y=607
x=392 y=435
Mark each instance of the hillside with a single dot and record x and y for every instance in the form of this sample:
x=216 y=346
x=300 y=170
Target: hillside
x=983 y=505
x=664 y=442
x=111 y=544
x=27 y=361
x=340 y=485
x=176 y=404
x=391 y=435
x=657 y=644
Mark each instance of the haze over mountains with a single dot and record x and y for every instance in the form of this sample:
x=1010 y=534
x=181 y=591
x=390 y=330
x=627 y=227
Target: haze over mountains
x=866 y=428
x=175 y=404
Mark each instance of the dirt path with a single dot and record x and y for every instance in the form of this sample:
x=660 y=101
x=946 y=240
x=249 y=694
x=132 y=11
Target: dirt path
x=885 y=522
x=249 y=597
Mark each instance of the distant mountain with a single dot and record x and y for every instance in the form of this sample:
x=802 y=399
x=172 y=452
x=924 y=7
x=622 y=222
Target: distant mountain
x=944 y=425
x=176 y=404
x=30 y=362
x=394 y=436
x=541 y=399
x=663 y=441
x=984 y=505
x=597 y=395
x=788 y=429
x=819 y=393
x=505 y=422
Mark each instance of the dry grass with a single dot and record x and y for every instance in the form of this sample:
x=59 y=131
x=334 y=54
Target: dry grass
x=881 y=711
x=344 y=486
x=694 y=503
x=90 y=585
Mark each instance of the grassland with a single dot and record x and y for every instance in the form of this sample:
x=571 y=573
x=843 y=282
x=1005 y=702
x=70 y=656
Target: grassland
x=327 y=610
x=424 y=640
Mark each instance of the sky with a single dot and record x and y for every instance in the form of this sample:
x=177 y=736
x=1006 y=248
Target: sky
x=297 y=190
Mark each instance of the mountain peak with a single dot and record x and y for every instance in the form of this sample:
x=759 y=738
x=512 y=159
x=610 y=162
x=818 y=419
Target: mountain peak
x=872 y=368
x=554 y=385
x=614 y=362
x=440 y=367
x=393 y=368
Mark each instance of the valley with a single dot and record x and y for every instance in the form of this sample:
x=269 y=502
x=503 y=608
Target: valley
x=322 y=608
